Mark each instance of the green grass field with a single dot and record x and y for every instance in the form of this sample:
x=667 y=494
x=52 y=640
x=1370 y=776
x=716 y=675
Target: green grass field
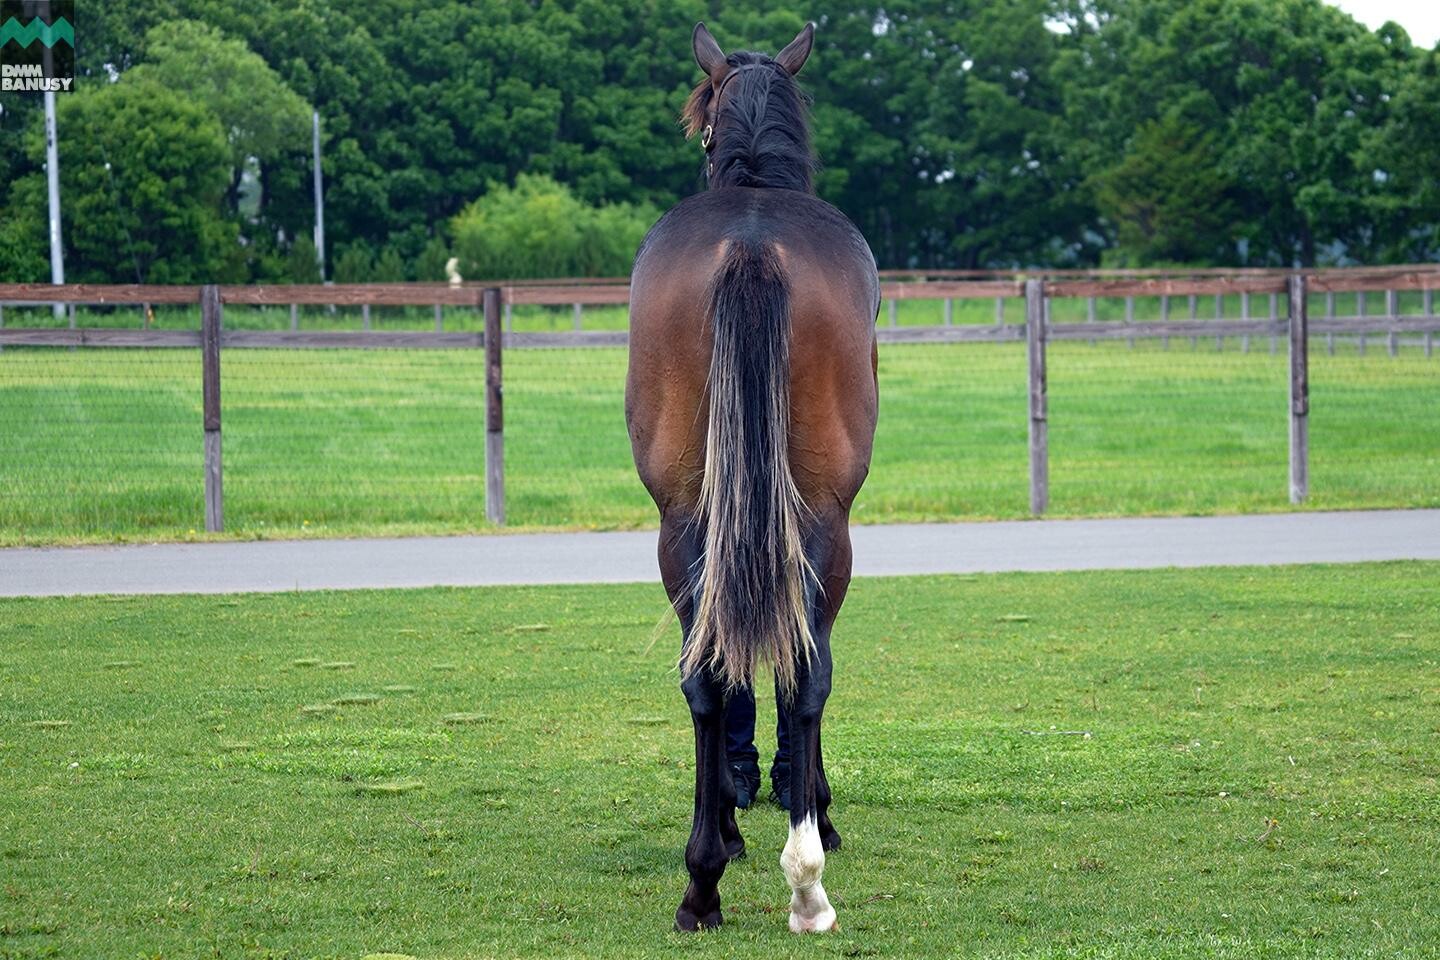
x=507 y=772
x=100 y=445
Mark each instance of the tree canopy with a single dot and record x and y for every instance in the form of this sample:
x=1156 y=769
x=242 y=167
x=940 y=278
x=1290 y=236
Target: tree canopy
x=975 y=133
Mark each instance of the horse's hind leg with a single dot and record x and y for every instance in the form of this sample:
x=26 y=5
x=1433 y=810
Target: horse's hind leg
x=714 y=835
x=803 y=858
x=706 y=853
x=829 y=836
x=810 y=830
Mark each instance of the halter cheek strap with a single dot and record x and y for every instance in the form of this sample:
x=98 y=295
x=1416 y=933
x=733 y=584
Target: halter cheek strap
x=707 y=136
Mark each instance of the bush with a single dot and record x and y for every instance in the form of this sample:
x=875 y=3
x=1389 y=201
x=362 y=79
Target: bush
x=355 y=264
x=302 y=264
x=430 y=265
x=538 y=228
x=389 y=267
x=143 y=175
x=23 y=249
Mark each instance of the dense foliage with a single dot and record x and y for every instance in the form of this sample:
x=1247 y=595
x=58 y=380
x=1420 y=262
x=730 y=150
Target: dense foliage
x=539 y=229
x=968 y=134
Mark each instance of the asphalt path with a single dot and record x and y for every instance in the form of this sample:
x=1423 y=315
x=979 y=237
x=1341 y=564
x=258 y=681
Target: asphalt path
x=539 y=558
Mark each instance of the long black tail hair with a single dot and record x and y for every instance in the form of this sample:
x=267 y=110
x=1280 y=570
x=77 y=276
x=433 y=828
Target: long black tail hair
x=753 y=581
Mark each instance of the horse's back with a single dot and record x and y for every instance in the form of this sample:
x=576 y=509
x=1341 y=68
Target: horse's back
x=833 y=296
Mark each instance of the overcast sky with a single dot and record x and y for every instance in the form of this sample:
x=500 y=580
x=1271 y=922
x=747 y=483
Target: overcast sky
x=1420 y=18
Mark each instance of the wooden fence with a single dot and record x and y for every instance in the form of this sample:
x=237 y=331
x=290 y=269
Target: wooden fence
x=494 y=300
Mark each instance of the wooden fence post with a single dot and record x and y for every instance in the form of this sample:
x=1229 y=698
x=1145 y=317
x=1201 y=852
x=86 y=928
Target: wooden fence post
x=1330 y=315
x=210 y=323
x=1360 y=311
x=1392 y=311
x=893 y=322
x=1428 y=306
x=1244 y=316
x=1035 y=351
x=577 y=308
x=1299 y=391
x=494 y=412
x=1274 y=317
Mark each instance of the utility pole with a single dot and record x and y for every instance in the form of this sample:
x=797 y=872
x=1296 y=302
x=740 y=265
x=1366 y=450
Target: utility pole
x=52 y=171
x=319 y=197
x=52 y=174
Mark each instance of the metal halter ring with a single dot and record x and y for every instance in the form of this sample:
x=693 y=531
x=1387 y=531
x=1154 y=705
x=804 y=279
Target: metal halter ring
x=706 y=136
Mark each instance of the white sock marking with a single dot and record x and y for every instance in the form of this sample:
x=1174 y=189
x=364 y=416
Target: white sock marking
x=803 y=861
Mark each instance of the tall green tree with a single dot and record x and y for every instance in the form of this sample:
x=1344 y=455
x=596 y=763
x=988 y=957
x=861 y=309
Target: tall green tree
x=1168 y=198
x=263 y=119
x=143 y=179
x=1287 y=88
x=954 y=132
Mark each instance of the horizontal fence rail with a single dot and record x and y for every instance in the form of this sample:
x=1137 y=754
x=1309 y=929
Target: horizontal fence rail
x=1183 y=299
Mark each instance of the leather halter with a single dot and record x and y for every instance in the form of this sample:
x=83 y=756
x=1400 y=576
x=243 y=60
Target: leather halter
x=707 y=136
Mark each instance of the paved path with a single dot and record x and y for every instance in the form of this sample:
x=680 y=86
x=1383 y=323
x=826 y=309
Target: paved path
x=628 y=557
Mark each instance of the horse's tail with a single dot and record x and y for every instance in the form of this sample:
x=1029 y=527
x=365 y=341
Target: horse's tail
x=753 y=582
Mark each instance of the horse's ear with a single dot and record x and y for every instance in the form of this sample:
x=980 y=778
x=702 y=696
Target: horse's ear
x=793 y=57
x=708 y=53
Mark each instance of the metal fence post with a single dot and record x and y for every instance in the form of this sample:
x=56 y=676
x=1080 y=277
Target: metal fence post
x=494 y=412
x=1299 y=391
x=210 y=323
x=1035 y=336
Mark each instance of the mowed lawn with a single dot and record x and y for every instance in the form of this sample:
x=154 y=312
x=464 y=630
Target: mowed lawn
x=101 y=445
x=1229 y=763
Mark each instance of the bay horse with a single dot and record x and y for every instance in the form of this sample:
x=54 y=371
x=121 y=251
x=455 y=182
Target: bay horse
x=751 y=402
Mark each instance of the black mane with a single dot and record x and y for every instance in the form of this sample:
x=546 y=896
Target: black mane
x=761 y=136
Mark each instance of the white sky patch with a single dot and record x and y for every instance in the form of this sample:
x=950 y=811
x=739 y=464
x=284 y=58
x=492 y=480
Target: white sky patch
x=1420 y=18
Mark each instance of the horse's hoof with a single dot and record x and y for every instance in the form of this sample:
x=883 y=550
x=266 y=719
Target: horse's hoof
x=735 y=849
x=829 y=839
x=820 y=923
x=687 y=922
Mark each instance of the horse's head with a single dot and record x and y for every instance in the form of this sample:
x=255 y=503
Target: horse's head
x=750 y=114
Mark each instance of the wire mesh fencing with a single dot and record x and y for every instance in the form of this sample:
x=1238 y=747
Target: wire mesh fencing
x=951 y=436
x=1374 y=402
x=358 y=420
x=567 y=452
x=1142 y=421
x=342 y=440
x=98 y=442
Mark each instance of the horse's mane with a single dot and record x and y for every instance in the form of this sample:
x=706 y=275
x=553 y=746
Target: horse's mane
x=762 y=136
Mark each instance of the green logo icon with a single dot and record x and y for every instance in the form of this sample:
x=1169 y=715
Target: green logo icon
x=37 y=29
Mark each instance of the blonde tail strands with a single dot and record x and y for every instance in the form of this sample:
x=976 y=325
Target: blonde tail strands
x=753 y=577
